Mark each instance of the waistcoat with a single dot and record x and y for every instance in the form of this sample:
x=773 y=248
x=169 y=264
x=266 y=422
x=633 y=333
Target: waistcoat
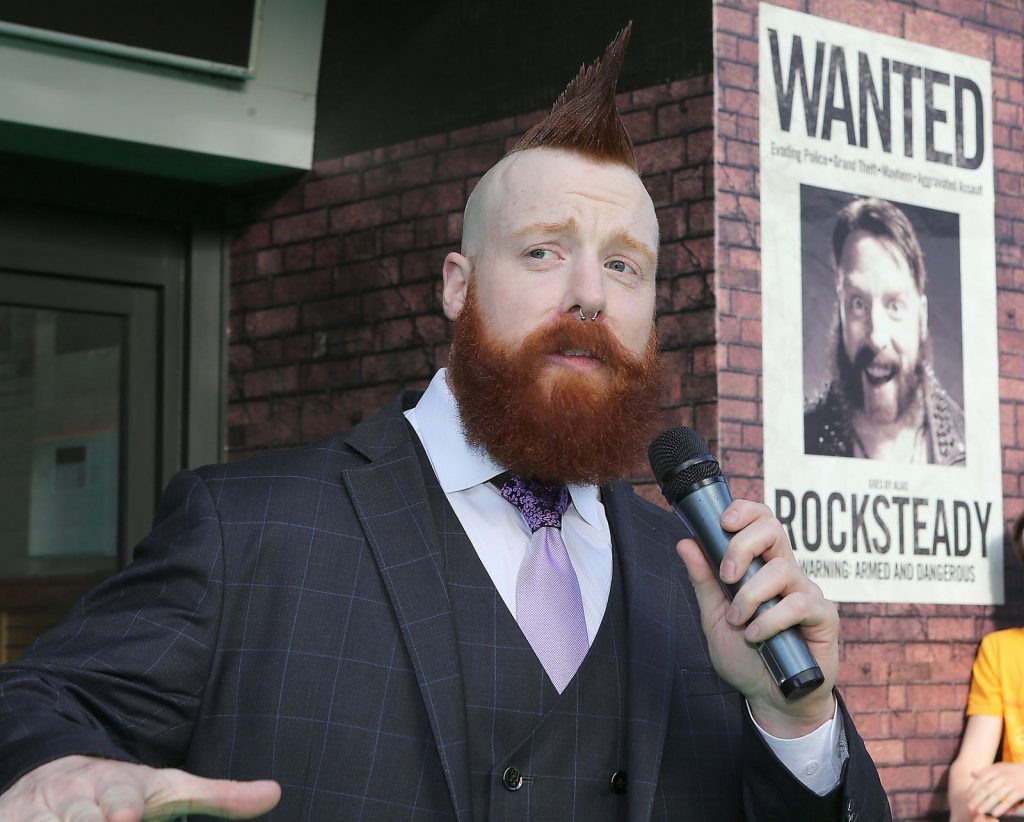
x=534 y=754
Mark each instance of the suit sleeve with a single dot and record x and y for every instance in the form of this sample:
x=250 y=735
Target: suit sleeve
x=123 y=677
x=770 y=791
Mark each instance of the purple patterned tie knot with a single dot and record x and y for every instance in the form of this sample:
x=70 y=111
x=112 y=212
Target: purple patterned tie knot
x=542 y=503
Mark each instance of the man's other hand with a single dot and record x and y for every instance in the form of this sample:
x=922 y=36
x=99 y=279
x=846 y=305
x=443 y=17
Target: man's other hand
x=88 y=789
x=732 y=632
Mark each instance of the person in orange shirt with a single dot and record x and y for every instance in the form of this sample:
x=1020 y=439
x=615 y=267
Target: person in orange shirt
x=979 y=787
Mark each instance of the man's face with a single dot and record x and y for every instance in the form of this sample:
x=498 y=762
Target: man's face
x=546 y=394
x=558 y=232
x=883 y=320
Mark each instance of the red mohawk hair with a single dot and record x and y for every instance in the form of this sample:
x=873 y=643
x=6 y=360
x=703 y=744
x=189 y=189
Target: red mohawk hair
x=584 y=119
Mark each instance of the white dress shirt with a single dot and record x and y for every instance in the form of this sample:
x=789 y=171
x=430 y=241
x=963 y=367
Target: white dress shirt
x=500 y=535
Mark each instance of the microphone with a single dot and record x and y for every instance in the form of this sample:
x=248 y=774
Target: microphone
x=692 y=482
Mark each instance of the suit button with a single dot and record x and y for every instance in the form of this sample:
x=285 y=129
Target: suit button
x=619 y=782
x=512 y=779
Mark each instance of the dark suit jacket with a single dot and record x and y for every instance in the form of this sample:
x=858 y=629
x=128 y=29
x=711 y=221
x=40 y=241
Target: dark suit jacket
x=287 y=618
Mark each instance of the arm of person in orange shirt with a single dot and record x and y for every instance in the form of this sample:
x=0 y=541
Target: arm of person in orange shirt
x=980 y=788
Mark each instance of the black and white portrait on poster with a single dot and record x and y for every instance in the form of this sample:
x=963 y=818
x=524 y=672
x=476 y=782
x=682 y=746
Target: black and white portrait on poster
x=881 y=452
x=883 y=355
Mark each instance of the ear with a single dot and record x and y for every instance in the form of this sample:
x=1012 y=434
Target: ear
x=456 y=279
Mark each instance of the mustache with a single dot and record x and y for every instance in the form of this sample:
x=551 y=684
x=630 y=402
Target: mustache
x=868 y=356
x=569 y=333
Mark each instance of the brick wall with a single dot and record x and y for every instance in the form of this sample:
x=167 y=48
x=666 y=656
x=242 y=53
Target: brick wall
x=336 y=276
x=905 y=668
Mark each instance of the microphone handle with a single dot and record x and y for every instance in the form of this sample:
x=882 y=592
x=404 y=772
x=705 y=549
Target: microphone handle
x=786 y=654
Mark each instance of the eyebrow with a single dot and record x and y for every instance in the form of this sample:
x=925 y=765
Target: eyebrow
x=571 y=226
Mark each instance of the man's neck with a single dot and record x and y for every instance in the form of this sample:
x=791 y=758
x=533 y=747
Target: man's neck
x=904 y=440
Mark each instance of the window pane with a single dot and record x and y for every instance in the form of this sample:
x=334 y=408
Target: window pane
x=60 y=429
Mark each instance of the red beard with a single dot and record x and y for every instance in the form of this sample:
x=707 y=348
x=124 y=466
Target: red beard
x=553 y=423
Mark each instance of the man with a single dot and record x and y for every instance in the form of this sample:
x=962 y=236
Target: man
x=455 y=611
x=884 y=401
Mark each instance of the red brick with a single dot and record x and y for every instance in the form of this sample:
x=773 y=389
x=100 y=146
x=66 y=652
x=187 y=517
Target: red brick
x=442 y=197
x=329 y=375
x=740 y=75
x=298 y=257
x=396 y=176
x=886 y=751
x=942 y=31
x=397 y=302
x=734 y=21
x=251 y=236
x=302 y=287
x=431 y=231
x=397 y=365
x=739 y=101
x=699 y=146
x=902 y=777
x=659 y=186
x=1004 y=17
x=741 y=154
x=739 y=233
x=361 y=245
x=742 y=410
x=950 y=628
x=873 y=16
x=271 y=321
x=255 y=294
x=689 y=184
x=365 y=214
x=931 y=749
x=269 y=261
x=240 y=357
x=639 y=124
x=742 y=463
x=1009 y=53
x=660 y=155
x=700 y=217
x=334 y=312
x=332 y=190
x=267 y=353
x=742 y=386
x=942 y=695
x=243 y=267
x=467 y=160
x=299 y=227
x=271 y=382
x=681 y=116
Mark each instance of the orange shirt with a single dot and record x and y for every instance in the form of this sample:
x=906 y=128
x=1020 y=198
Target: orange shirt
x=997 y=687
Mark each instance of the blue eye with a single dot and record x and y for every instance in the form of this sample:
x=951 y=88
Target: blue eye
x=621 y=266
x=539 y=253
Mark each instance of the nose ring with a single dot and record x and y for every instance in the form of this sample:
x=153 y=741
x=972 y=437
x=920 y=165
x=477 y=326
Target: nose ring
x=583 y=316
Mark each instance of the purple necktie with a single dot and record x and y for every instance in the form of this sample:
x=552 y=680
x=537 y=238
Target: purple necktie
x=549 y=607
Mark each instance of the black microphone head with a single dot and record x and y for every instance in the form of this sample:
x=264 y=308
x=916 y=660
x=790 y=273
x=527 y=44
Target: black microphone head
x=671 y=449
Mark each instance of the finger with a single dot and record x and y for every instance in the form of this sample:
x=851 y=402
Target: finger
x=710 y=599
x=741 y=512
x=177 y=793
x=770 y=581
x=80 y=810
x=1002 y=806
x=121 y=800
x=764 y=537
x=816 y=616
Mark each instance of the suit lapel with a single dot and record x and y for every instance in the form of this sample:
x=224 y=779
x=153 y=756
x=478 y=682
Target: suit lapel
x=390 y=499
x=650 y=573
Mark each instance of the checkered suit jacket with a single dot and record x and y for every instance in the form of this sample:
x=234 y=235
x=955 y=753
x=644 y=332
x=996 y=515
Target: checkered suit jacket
x=287 y=618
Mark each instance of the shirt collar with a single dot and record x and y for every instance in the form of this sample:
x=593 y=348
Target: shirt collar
x=460 y=465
